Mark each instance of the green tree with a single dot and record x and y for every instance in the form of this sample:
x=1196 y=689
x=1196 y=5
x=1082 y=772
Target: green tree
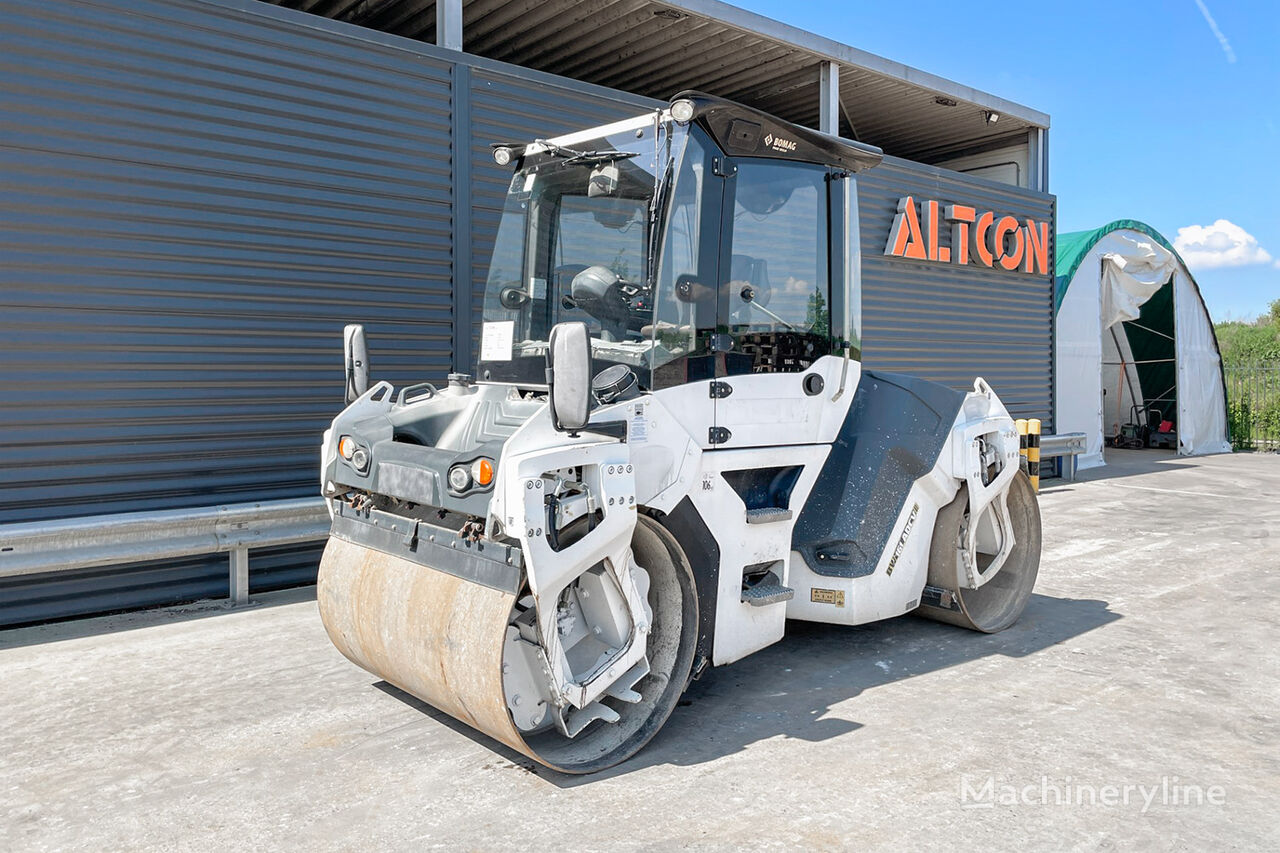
x=1251 y=354
x=1251 y=343
x=817 y=317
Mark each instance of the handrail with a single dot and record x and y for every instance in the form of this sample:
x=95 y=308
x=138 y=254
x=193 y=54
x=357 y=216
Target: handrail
x=131 y=537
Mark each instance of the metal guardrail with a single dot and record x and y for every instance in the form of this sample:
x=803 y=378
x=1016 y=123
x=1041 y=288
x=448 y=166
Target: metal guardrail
x=1066 y=447
x=104 y=540
x=134 y=537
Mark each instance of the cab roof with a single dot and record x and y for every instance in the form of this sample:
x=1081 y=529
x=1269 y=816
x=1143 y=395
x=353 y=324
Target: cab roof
x=743 y=131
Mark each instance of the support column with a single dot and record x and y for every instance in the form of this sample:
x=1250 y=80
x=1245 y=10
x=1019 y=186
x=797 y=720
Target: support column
x=1038 y=159
x=829 y=89
x=1044 y=159
x=463 y=286
x=449 y=24
x=1033 y=159
x=239 y=569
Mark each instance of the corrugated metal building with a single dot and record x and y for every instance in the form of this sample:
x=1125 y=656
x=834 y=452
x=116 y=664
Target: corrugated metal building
x=196 y=195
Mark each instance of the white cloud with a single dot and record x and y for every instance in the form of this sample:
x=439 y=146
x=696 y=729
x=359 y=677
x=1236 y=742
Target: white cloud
x=1222 y=244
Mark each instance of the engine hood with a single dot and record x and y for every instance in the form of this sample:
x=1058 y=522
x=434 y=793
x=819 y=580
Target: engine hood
x=410 y=440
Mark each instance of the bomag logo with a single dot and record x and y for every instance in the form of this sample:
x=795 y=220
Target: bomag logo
x=979 y=238
x=777 y=143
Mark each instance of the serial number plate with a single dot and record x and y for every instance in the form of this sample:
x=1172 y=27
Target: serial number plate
x=827 y=596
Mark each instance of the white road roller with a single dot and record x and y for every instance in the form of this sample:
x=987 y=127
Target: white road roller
x=669 y=447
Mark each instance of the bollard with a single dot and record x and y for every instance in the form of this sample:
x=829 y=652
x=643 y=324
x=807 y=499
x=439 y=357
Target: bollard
x=1021 y=424
x=1033 y=452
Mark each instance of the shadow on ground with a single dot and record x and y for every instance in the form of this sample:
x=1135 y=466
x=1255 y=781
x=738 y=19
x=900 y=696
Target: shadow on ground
x=1132 y=463
x=75 y=627
x=789 y=688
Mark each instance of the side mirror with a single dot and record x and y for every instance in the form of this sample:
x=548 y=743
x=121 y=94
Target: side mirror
x=513 y=298
x=355 y=354
x=569 y=376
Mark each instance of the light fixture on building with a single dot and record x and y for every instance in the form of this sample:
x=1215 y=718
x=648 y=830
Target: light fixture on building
x=991 y=117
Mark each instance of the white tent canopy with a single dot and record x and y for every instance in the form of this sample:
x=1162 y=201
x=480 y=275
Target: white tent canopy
x=1118 y=363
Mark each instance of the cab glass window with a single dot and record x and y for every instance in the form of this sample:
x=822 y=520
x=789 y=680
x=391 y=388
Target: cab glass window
x=778 y=291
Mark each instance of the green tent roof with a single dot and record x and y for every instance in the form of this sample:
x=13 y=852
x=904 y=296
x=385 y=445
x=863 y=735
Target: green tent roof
x=1073 y=247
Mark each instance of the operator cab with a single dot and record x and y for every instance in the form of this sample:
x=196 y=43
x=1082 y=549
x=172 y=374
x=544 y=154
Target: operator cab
x=696 y=242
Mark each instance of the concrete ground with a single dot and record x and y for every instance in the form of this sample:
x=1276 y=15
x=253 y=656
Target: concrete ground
x=1147 y=658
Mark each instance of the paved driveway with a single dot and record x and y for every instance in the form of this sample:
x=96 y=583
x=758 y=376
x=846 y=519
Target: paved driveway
x=1142 y=674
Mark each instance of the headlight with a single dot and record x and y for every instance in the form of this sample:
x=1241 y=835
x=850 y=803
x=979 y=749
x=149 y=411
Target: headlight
x=357 y=456
x=459 y=478
x=502 y=156
x=682 y=110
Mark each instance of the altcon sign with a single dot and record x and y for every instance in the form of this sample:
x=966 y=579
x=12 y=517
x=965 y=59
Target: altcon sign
x=976 y=237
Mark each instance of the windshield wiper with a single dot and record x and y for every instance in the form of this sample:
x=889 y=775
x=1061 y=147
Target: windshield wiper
x=572 y=155
x=601 y=156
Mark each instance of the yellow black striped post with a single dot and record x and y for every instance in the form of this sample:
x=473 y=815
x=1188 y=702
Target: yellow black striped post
x=1021 y=424
x=1033 y=452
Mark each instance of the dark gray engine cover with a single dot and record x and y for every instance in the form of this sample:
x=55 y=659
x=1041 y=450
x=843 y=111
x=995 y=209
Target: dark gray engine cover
x=892 y=436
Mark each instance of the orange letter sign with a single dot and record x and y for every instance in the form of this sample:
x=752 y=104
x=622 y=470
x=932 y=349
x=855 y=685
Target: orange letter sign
x=905 y=239
x=961 y=215
x=1038 y=250
x=1009 y=225
x=977 y=237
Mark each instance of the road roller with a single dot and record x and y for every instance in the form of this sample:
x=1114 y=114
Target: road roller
x=668 y=446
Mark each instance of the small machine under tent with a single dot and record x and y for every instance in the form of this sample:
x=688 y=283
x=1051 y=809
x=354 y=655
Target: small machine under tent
x=1137 y=360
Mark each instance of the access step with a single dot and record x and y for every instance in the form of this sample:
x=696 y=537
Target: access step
x=768 y=515
x=769 y=592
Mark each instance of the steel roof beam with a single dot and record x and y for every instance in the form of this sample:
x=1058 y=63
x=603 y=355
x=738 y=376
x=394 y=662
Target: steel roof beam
x=705 y=34
x=334 y=9
x=605 y=41
x=400 y=13
x=738 y=80
x=523 y=17
x=826 y=48
x=712 y=65
x=788 y=84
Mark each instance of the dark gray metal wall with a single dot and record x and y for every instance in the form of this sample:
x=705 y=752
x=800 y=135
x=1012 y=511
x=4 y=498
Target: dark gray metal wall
x=950 y=323
x=194 y=198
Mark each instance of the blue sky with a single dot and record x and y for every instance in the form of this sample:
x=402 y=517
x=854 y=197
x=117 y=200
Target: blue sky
x=1154 y=115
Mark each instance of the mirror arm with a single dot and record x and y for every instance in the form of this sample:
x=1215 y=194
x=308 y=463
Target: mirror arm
x=355 y=362
x=610 y=429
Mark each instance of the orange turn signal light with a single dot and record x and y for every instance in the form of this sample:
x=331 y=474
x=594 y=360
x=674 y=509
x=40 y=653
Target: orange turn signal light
x=482 y=472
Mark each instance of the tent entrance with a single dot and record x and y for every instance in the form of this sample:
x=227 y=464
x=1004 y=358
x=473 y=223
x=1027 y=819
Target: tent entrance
x=1115 y=344
x=1140 y=376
